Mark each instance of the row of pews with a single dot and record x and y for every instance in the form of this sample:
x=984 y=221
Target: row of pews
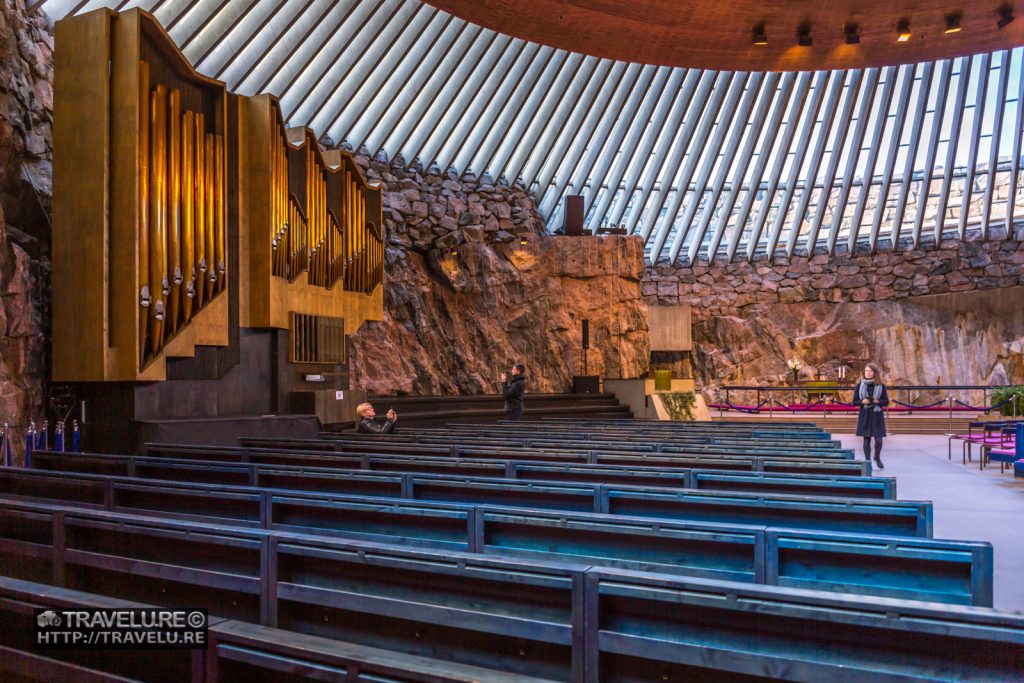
x=472 y=553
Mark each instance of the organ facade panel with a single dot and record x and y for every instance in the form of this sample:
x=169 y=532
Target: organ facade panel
x=159 y=173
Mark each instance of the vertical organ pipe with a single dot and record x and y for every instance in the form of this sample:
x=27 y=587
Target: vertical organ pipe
x=158 y=215
x=145 y=297
x=173 y=207
x=187 y=216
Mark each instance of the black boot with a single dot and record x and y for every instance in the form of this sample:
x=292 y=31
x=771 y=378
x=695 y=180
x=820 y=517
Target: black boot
x=878 y=463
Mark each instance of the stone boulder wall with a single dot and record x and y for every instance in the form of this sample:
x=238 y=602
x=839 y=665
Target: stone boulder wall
x=941 y=315
x=424 y=210
x=454 y=321
x=26 y=114
x=473 y=283
x=919 y=341
x=26 y=111
x=22 y=369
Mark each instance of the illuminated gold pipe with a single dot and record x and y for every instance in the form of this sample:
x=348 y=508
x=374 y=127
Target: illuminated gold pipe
x=145 y=298
x=219 y=188
x=188 y=288
x=158 y=216
x=310 y=204
x=174 y=207
x=350 y=230
x=199 y=194
x=319 y=227
x=278 y=213
x=346 y=223
x=362 y=242
x=210 y=161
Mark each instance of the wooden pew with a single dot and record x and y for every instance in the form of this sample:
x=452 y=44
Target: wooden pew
x=253 y=472
x=236 y=651
x=388 y=444
x=836 y=514
x=380 y=454
x=573 y=622
x=644 y=628
x=953 y=571
x=500 y=613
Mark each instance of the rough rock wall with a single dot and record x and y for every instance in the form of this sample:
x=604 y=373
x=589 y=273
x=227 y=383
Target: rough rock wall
x=26 y=105
x=928 y=316
x=473 y=285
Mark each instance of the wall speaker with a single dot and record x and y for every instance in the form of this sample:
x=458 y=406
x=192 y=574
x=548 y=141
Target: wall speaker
x=573 y=214
x=586 y=333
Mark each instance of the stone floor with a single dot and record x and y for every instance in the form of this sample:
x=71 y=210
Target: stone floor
x=970 y=504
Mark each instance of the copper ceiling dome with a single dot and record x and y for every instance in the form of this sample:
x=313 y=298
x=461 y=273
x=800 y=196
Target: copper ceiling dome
x=756 y=35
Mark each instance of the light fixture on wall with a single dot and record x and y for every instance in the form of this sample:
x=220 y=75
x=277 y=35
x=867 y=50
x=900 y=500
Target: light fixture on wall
x=1005 y=16
x=903 y=31
x=953 y=24
x=759 y=37
x=852 y=32
x=803 y=36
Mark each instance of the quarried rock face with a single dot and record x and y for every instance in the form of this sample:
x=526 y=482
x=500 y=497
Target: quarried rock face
x=26 y=106
x=942 y=314
x=473 y=284
x=456 y=318
x=924 y=341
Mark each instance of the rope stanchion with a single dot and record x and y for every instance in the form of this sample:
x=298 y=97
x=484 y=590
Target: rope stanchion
x=950 y=399
x=744 y=409
x=984 y=408
x=924 y=407
x=800 y=410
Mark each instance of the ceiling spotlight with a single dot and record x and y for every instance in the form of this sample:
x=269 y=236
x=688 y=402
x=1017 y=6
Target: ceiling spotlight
x=852 y=34
x=759 y=37
x=953 y=24
x=1005 y=16
x=803 y=36
x=903 y=31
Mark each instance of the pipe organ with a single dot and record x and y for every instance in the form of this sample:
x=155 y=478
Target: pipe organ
x=181 y=216
x=321 y=223
x=162 y=181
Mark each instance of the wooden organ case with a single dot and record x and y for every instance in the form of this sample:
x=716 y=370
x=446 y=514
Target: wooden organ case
x=208 y=261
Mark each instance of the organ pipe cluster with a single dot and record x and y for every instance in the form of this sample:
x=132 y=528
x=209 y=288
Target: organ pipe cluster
x=182 y=240
x=364 y=249
x=164 y=181
x=321 y=227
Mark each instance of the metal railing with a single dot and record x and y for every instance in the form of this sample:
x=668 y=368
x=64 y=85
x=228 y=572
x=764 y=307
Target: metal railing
x=948 y=403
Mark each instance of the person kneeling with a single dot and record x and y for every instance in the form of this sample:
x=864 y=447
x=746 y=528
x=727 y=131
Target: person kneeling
x=367 y=425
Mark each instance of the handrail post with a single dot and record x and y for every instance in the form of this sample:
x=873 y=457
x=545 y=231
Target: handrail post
x=771 y=401
x=825 y=426
x=950 y=399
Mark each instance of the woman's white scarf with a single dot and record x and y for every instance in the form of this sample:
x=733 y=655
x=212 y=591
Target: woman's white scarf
x=862 y=392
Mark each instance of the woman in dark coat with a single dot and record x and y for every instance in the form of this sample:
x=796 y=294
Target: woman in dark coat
x=871 y=396
x=512 y=390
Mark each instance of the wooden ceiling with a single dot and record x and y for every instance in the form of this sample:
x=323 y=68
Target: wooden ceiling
x=717 y=34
